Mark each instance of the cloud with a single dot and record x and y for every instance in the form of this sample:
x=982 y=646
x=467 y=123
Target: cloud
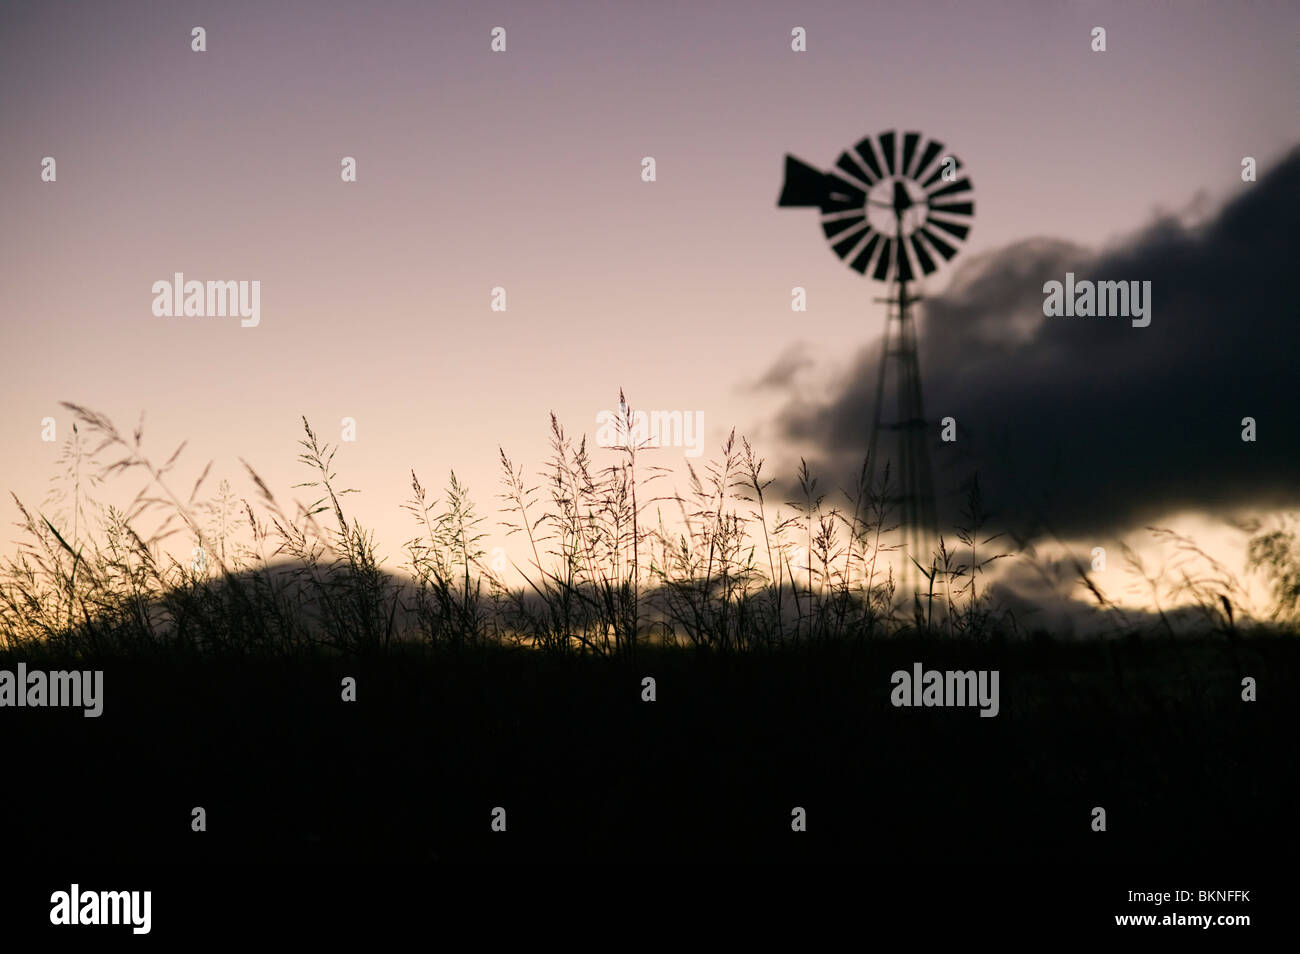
x=785 y=368
x=1090 y=423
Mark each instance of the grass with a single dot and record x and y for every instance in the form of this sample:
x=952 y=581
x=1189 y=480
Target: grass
x=611 y=567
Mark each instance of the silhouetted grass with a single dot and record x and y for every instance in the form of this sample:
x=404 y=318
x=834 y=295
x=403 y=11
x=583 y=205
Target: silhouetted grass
x=610 y=564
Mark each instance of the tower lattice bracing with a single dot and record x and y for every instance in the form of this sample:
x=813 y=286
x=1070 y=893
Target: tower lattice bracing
x=899 y=437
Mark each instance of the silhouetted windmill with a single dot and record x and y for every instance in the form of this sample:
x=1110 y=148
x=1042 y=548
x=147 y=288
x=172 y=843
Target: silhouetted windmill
x=884 y=206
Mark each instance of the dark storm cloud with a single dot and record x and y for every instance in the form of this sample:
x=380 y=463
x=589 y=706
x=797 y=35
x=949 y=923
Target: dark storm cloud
x=1090 y=423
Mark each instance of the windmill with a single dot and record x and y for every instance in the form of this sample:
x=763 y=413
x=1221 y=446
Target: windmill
x=892 y=208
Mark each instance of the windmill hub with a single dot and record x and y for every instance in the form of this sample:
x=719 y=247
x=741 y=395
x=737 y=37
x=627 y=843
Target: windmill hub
x=902 y=199
x=894 y=207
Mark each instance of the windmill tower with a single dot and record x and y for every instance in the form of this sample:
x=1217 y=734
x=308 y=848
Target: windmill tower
x=891 y=208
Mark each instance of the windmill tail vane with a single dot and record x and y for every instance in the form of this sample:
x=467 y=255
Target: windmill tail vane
x=805 y=186
x=895 y=207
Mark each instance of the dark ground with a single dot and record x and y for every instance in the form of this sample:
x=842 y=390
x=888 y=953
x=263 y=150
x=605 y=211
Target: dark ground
x=1154 y=732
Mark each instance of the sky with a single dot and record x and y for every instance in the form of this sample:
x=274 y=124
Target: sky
x=522 y=170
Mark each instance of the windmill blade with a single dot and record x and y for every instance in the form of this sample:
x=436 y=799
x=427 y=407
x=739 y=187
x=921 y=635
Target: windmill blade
x=938 y=171
x=887 y=147
x=961 y=208
x=910 y=141
x=952 y=228
x=932 y=149
x=961 y=185
x=836 y=226
x=942 y=247
x=854 y=168
x=863 y=258
x=882 y=263
x=850 y=242
x=868 y=153
x=922 y=257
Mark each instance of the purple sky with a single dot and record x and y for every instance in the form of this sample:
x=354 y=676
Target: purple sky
x=522 y=170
